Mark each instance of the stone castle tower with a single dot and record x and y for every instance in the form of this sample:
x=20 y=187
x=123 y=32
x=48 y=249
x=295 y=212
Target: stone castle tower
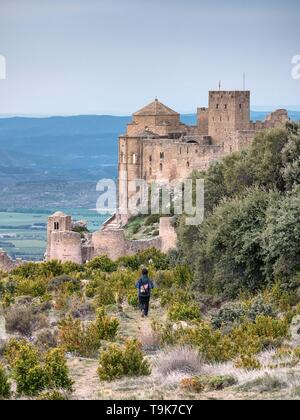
x=63 y=244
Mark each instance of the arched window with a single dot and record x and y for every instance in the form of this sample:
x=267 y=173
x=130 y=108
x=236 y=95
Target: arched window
x=56 y=226
x=162 y=155
x=161 y=167
x=188 y=164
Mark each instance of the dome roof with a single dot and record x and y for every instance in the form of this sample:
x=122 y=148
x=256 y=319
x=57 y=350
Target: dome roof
x=156 y=108
x=59 y=214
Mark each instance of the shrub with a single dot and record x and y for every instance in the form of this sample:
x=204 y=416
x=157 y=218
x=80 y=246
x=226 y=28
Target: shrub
x=183 y=358
x=184 y=312
x=45 y=340
x=208 y=383
x=29 y=374
x=85 y=340
x=192 y=385
x=111 y=364
x=20 y=319
x=64 y=282
x=106 y=328
x=5 y=390
x=57 y=370
x=228 y=315
x=133 y=299
x=266 y=383
x=24 y=319
x=105 y=295
x=52 y=396
x=117 y=362
x=248 y=362
x=102 y=263
x=218 y=383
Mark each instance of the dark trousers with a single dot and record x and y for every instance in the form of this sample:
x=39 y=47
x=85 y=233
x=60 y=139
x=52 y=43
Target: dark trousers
x=144 y=304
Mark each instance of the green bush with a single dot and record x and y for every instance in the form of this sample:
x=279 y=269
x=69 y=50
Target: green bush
x=34 y=373
x=52 y=396
x=5 y=390
x=133 y=299
x=102 y=263
x=30 y=375
x=57 y=370
x=85 y=340
x=184 y=312
x=117 y=362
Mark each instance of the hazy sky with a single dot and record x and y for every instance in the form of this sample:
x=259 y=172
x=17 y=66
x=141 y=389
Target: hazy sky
x=114 y=56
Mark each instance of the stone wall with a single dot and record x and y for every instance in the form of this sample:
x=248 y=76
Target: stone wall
x=6 y=263
x=65 y=246
x=114 y=244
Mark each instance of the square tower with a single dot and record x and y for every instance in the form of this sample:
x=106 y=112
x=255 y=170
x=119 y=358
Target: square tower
x=229 y=112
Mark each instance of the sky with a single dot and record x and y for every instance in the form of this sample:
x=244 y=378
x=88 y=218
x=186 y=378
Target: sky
x=66 y=57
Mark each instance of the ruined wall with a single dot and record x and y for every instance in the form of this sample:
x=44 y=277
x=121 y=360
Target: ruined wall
x=8 y=264
x=65 y=246
x=114 y=244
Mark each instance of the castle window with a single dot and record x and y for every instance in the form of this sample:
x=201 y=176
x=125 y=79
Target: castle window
x=161 y=167
x=187 y=150
x=240 y=107
x=134 y=158
x=180 y=150
x=150 y=158
x=217 y=106
x=188 y=164
x=56 y=226
x=138 y=203
x=150 y=171
x=225 y=106
x=138 y=189
x=162 y=155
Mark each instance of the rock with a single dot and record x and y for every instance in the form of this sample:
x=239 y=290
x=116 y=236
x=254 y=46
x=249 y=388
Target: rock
x=295 y=331
x=180 y=325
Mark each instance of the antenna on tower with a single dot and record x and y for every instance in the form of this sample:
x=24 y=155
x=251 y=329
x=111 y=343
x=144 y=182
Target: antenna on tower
x=219 y=84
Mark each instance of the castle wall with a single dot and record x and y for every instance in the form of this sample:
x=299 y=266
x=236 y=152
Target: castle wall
x=202 y=121
x=65 y=246
x=114 y=244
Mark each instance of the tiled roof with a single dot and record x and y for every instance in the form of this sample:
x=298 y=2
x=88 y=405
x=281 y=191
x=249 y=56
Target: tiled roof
x=156 y=108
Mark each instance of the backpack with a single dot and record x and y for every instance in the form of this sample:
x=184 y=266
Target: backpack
x=145 y=289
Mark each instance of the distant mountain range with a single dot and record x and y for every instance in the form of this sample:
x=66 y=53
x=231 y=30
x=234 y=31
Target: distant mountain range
x=56 y=154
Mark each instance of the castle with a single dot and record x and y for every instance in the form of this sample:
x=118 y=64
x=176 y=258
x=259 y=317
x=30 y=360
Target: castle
x=156 y=146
